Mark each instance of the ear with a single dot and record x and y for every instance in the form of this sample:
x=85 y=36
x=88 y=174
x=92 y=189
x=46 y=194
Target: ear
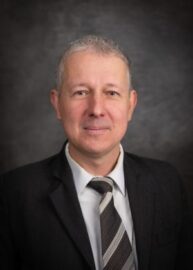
x=132 y=103
x=54 y=99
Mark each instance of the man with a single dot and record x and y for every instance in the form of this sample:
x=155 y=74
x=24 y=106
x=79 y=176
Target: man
x=52 y=216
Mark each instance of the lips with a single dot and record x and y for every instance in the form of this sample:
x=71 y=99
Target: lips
x=96 y=126
x=93 y=130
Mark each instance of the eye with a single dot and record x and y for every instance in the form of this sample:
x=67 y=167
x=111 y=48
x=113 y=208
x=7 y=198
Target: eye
x=113 y=93
x=81 y=92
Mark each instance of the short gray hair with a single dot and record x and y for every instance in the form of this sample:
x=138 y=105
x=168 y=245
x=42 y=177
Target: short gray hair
x=97 y=44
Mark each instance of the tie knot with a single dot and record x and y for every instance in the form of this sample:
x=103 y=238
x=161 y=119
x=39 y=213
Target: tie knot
x=102 y=184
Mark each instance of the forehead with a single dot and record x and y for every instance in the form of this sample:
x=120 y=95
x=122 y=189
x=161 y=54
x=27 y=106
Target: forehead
x=91 y=62
x=91 y=55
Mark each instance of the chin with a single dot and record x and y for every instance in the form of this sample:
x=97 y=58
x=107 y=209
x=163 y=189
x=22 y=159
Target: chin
x=98 y=151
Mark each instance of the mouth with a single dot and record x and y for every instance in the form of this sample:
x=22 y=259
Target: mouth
x=91 y=130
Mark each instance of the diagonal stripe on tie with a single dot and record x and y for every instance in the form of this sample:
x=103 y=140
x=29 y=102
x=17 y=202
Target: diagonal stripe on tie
x=109 y=223
x=116 y=248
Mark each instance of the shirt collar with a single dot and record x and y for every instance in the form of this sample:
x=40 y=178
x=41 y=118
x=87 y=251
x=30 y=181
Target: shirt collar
x=82 y=177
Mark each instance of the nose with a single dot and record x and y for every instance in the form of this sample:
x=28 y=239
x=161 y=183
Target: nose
x=96 y=106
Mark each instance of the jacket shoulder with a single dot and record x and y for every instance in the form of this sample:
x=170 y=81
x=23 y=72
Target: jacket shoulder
x=27 y=175
x=155 y=167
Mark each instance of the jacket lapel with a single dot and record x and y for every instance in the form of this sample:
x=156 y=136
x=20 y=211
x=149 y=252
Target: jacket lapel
x=65 y=201
x=139 y=185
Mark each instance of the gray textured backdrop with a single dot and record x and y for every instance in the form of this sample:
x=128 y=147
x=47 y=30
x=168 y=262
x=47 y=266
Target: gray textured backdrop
x=156 y=34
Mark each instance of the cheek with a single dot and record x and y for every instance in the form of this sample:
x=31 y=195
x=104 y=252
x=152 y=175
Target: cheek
x=120 y=114
x=70 y=114
x=121 y=120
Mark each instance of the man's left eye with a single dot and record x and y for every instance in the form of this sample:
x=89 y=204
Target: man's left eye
x=113 y=93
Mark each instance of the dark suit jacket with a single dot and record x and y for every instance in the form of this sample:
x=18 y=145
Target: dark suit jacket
x=42 y=227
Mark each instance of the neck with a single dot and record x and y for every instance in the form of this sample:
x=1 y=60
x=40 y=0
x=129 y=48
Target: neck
x=100 y=165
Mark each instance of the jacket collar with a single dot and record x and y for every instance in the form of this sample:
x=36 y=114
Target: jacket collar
x=139 y=184
x=66 y=204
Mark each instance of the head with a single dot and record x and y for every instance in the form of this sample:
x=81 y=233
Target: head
x=94 y=98
x=93 y=43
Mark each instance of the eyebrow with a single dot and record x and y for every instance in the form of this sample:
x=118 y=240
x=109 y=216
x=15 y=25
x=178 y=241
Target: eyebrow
x=112 y=85
x=87 y=84
x=79 y=84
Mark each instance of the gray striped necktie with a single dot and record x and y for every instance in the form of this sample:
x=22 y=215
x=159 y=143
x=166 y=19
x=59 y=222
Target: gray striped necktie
x=116 y=248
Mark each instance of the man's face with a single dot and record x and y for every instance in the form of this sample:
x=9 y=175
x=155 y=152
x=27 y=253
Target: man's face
x=94 y=104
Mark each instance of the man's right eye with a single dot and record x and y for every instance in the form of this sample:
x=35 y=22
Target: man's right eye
x=82 y=92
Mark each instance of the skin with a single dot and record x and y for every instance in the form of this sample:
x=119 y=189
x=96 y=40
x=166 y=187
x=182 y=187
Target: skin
x=94 y=106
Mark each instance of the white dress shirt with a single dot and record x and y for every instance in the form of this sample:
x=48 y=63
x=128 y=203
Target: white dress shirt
x=89 y=200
